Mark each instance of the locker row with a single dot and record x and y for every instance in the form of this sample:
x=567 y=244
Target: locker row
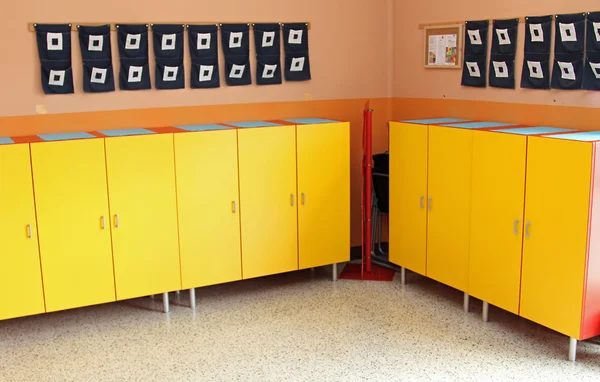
x=502 y=213
x=91 y=218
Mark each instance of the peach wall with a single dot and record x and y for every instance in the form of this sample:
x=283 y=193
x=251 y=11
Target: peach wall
x=413 y=81
x=340 y=70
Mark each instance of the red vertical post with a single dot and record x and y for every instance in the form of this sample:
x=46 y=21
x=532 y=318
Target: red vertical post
x=368 y=184
x=362 y=196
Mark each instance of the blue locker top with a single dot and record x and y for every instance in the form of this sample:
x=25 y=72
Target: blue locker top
x=534 y=130
x=583 y=136
x=126 y=132
x=65 y=136
x=6 y=141
x=251 y=124
x=480 y=125
x=310 y=121
x=206 y=127
x=434 y=121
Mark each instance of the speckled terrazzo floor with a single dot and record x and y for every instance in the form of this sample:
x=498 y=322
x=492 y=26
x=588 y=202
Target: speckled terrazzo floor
x=294 y=327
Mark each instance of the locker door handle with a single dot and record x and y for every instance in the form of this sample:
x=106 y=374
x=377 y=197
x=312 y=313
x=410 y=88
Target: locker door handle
x=102 y=222
x=233 y=207
x=29 y=232
x=303 y=198
x=527 y=229
x=429 y=203
x=116 y=220
x=292 y=200
x=516 y=229
x=421 y=201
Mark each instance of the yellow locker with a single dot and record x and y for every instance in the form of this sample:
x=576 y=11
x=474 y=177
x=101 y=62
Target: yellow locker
x=208 y=205
x=408 y=195
x=556 y=228
x=498 y=197
x=324 y=193
x=73 y=218
x=449 y=205
x=141 y=187
x=20 y=278
x=268 y=201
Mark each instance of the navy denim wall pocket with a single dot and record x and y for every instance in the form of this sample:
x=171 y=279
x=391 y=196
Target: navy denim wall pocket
x=267 y=40
x=98 y=76
x=569 y=33
x=474 y=71
x=591 y=72
x=237 y=70
x=502 y=61
x=133 y=51
x=536 y=59
x=536 y=71
x=204 y=72
x=169 y=73
x=57 y=77
x=168 y=54
x=567 y=71
x=295 y=43
x=94 y=42
x=54 y=49
x=502 y=71
x=235 y=40
x=134 y=74
x=475 y=56
x=593 y=32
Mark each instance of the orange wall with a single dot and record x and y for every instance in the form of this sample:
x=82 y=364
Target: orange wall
x=411 y=80
x=350 y=50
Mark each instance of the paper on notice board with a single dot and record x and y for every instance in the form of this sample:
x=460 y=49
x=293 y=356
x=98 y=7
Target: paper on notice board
x=442 y=49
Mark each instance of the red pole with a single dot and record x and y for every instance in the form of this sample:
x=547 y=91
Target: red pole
x=368 y=184
x=362 y=195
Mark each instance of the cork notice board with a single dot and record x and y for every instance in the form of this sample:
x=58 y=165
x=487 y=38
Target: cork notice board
x=443 y=46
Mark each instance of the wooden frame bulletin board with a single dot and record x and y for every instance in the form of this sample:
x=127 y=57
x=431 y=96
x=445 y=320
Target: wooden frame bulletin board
x=443 y=46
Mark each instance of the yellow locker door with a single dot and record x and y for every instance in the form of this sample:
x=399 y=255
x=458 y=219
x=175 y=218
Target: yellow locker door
x=268 y=200
x=20 y=278
x=141 y=188
x=408 y=196
x=498 y=198
x=74 y=232
x=556 y=228
x=449 y=204
x=324 y=193
x=207 y=199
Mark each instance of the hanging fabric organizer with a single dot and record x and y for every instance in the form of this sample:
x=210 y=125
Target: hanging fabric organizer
x=536 y=61
x=567 y=72
x=133 y=51
x=54 y=48
x=591 y=72
x=267 y=41
x=168 y=52
x=235 y=39
x=475 y=56
x=502 y=61
x=204 y=72
x=94 y=42
x=297 y=61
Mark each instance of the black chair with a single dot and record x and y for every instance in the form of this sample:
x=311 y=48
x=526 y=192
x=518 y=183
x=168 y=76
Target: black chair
x=380 y=200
